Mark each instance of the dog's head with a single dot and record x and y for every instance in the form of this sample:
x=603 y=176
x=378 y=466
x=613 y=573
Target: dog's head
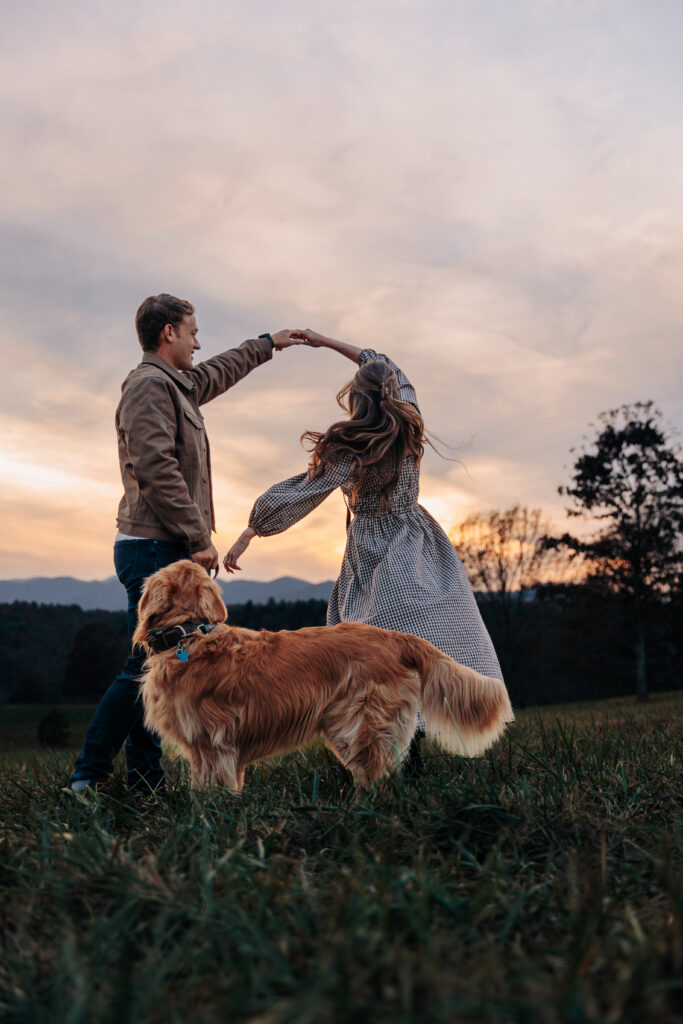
x=175 y=594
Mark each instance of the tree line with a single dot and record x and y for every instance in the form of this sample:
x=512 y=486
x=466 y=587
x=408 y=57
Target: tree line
x=557 y=642
x=572 y=617
x=55 y=653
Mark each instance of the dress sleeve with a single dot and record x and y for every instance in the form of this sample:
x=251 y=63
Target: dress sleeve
x=286 y=503
x=406 y=391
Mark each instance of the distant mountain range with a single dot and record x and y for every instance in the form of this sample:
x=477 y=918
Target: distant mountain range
x=109 y=595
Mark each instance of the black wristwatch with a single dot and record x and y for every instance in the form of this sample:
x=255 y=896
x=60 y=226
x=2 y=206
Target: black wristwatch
x=268 y=336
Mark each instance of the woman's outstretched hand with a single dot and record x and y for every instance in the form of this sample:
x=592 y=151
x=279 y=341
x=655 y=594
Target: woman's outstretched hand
x=237 y=550
x=311 y=338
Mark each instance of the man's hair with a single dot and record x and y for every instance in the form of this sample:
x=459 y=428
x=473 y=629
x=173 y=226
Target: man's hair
x=153 y=315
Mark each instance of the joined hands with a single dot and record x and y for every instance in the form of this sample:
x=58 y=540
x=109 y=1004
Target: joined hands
x=286 y=339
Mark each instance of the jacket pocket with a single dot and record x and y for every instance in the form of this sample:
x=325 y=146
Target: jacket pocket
x=192 y=447
x=195 y=418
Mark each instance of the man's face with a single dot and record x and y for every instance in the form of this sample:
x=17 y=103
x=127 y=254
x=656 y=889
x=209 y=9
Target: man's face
x=181 y=343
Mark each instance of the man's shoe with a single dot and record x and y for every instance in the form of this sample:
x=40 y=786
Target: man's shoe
x=86 y=787
x=80 y=785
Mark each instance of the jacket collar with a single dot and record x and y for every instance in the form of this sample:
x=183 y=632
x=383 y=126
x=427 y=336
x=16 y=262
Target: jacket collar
x=182 y=379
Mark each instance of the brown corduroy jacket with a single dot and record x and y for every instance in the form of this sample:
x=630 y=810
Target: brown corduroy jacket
x=163 y=448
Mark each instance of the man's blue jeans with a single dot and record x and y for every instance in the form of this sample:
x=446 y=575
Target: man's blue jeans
x=119 y=713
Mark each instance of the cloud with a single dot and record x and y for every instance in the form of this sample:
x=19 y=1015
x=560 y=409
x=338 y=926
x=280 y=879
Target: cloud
x=490 y=193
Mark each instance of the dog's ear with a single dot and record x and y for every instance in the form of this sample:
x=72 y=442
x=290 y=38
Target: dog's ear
x=211 y=605
x=148 y=607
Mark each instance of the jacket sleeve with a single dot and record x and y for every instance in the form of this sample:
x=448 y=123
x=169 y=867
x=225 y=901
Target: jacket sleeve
x=214 y=376
x=149 y=428
x=286 y=503
x=406 y=391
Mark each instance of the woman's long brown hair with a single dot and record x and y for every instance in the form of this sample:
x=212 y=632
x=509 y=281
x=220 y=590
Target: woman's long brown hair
x=380 y=431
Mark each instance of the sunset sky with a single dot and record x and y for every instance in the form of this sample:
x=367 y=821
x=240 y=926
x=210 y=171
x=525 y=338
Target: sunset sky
x=489 y=191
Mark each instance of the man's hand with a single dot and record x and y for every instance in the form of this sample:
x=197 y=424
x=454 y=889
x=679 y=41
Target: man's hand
x=238 y=549
x=285 y=339
x=208 y=558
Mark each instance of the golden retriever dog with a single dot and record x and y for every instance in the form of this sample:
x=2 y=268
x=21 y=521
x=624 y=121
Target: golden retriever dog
x=232 y=696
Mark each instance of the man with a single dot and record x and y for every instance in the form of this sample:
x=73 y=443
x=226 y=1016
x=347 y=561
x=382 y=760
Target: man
x=166 y=512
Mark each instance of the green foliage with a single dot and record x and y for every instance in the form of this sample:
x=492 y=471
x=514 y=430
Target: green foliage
x=37 y=641
x=568 y=643
x=576 y=643
x=53 y=652
x=539 y=884
x=632 y=482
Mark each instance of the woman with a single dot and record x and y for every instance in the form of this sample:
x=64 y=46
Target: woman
x=399 y=570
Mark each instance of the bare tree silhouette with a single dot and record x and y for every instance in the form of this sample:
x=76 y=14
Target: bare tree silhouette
x=506 y=556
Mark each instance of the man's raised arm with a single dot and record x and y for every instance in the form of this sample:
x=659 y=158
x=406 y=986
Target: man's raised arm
x=214 y=376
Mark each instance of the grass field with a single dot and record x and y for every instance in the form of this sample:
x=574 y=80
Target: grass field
x=542 y=883
x=19 y=726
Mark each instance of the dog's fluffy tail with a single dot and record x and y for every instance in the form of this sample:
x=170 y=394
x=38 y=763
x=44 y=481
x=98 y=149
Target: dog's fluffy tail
x=465 y=712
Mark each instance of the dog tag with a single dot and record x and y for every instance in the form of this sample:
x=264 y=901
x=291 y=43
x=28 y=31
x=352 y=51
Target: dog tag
x=182 y=655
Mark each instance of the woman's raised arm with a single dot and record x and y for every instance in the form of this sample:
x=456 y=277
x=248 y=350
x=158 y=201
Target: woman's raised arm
x=315 y=340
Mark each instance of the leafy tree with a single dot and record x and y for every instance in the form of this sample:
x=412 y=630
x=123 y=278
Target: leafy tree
x=631 y=481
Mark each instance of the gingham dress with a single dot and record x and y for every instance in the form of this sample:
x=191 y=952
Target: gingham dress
x=399 y=570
